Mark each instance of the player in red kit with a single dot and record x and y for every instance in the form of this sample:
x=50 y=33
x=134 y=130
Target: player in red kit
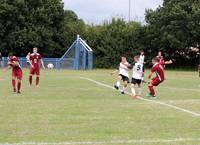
x=162 y=60
x=159 y=78
x=17 y=73
x=34 y=59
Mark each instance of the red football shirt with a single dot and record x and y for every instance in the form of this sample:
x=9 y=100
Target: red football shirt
x=12 y=60
x=158 y=69
x=35 y=59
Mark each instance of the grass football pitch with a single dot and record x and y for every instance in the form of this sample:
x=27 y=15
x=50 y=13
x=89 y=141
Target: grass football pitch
x=67 y=109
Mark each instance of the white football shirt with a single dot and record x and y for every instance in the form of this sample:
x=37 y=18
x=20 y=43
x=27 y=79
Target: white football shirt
x=137 y=71
x=123 y=69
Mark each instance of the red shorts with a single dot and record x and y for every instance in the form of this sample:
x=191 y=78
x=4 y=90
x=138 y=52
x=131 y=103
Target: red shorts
x=35 y=70
x=156 y=81
x=17 y=73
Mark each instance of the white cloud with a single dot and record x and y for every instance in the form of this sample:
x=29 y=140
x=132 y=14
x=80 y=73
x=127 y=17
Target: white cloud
x=98 y=10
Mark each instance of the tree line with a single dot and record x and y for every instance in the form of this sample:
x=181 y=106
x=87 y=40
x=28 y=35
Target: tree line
x=172 y=28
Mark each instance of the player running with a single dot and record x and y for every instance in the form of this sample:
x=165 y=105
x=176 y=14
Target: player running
x=159 y=71
x=137 y=77
x=142 y=57
x=34 y=59
x=141 y=60
x=123 y=74
x=17 y=73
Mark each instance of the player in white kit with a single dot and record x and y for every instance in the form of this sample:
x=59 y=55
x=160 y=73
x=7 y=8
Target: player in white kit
x=123 y=74
x=137 y=77
x=141 y=60
x=142 y=57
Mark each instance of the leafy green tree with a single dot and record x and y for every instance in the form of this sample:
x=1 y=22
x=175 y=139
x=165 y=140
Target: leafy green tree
x=32 y=23
x=174 y=27
x=73 y=27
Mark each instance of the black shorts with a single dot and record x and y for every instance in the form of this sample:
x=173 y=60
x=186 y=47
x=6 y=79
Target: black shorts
x=124 y=78
x=136 y=81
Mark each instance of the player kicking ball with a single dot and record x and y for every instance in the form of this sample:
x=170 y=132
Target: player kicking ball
x=137 y=77
x=158 y=79
x=123 y=74
x=17 y=73
x=34 y=59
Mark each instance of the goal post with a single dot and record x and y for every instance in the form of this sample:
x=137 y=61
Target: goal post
x=78 y=57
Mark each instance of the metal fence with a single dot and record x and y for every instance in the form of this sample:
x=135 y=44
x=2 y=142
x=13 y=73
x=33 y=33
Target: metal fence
x=57 y=62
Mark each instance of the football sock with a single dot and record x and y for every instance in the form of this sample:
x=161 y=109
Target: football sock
x=140 y=91
x=152 y=91
x=30 y=80
x=133 y=91
x=37 y=80
x=19 y=86
x=14 y=84
x=123 y=89
x=118 y=83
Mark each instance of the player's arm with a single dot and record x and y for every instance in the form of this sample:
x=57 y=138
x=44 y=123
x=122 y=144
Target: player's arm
x=169 y=62
x=29 y=61
x=8 y=67
x=150 y=74
x=14 y=63
x=127 y=65
x=42 y=62
x=114 y=72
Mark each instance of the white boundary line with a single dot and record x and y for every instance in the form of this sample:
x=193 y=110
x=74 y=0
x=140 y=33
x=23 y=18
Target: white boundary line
x=140 y=141
x=153 y=101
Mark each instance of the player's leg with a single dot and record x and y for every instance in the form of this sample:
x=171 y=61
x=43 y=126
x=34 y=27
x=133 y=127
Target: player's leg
x=37 y=80
x=31 y=73
x=152 y=92
x=133 y=92
x=37 y=77
x=154 y=82
x=119 y=78
x=19 y=79
x=19 y=86
x=140 y=88
x=126 y=81
x=14 y=84
x=14 y=81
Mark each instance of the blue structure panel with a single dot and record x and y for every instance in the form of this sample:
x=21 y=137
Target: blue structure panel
x=78 y=56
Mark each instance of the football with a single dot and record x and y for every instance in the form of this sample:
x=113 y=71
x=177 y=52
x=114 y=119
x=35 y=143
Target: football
x=50 y=66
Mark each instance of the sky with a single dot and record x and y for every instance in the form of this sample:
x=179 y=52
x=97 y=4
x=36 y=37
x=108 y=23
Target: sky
x=96 y=11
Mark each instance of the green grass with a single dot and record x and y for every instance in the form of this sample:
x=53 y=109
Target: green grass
x=66 y=108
